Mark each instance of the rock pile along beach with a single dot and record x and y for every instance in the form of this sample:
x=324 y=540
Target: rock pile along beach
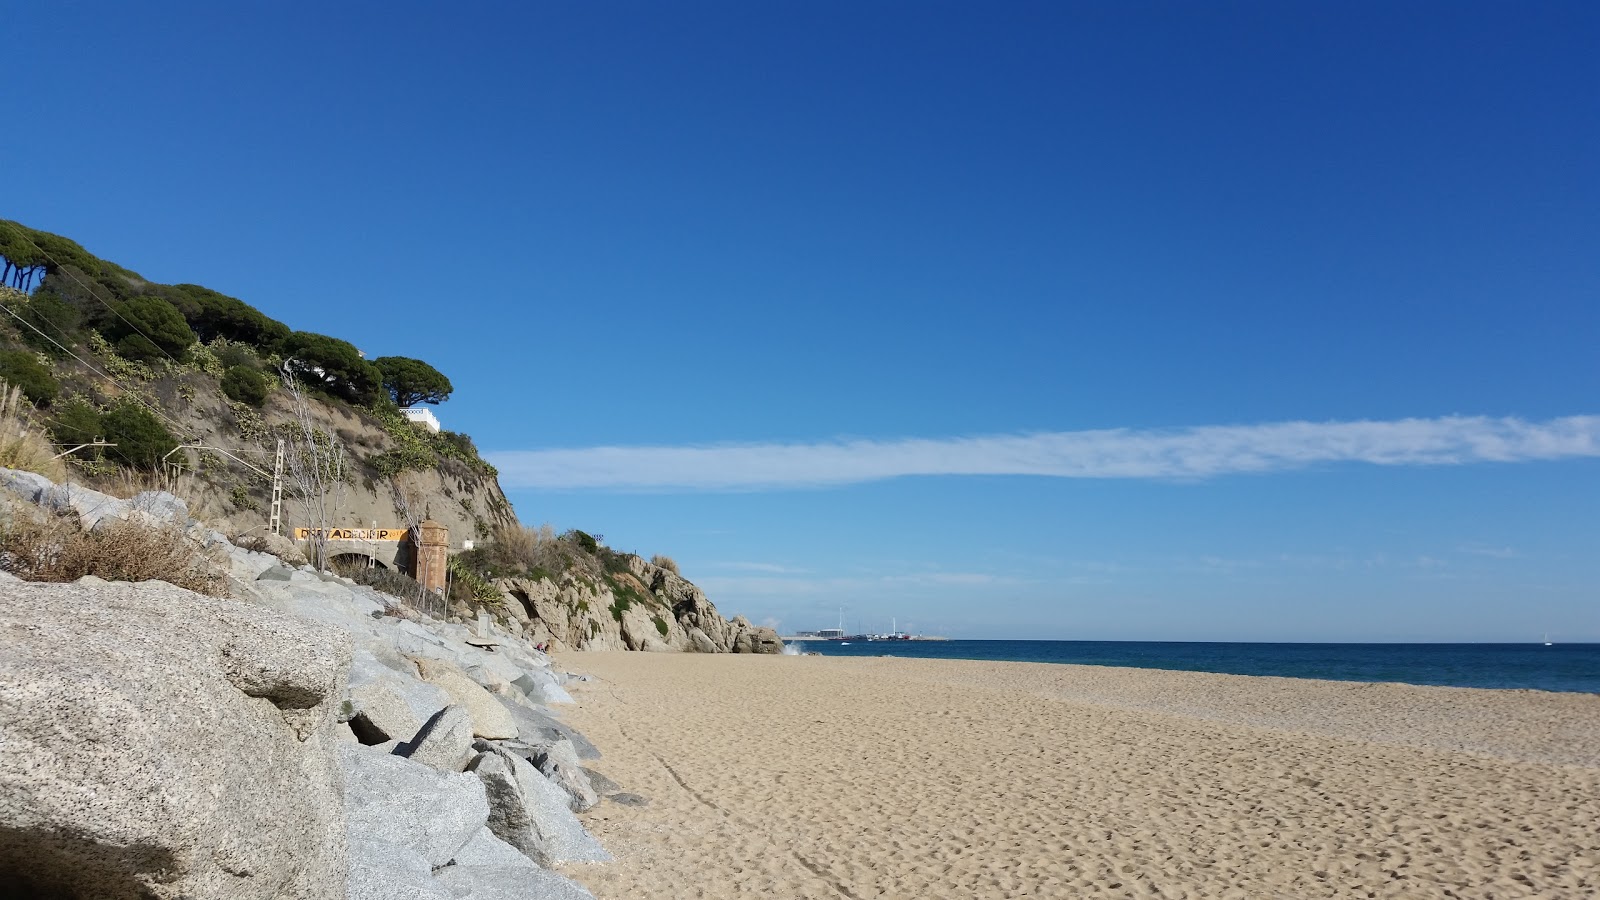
x=908 y=778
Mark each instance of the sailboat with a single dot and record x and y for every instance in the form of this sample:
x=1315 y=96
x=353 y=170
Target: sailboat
x=1547 y=640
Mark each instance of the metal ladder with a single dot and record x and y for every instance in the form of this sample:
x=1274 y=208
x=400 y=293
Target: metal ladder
x=276 y=522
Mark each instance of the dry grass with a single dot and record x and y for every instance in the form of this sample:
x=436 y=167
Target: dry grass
x=205 y=502
x=53 y=548
x=129 y=483
x=666 y=562
x=23 y=444
x=523 y=549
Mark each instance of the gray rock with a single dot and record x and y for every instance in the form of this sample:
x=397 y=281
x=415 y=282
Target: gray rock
x=552 y=690
x=700 y=643
x=379 y=713
x=508 y=883
x=276 y=573
x=527 y=811
x=162 y=744
x=24 y=485
x=162 y=507
x=600 y=782
x=538 y=726
x=422 y=698
x=489 y=718
x=407 y=804
x=508 y=814
x=380 y=870
x=444 y=741
x=484 y=849
x=247 y=565
x=92 y=507
x=626 y=799
x=558 y=761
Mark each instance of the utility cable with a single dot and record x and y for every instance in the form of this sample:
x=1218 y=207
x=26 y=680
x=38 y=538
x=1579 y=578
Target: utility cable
x=181 y=429
x=103 y=301
x=86 y=364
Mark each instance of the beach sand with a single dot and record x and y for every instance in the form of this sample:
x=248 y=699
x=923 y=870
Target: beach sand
x=823 y=777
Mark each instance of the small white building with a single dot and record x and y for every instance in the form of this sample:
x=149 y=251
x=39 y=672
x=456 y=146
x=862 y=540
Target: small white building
x=419 y=415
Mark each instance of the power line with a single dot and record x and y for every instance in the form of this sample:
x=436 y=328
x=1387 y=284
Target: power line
x=103 y=301
x=86 y=364
x=277 y=478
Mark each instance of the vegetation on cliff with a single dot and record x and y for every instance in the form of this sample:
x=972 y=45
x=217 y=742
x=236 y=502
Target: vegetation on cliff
x=125 y=375
x=118 y=356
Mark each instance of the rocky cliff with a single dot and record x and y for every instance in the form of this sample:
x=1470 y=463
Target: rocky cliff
x=382 y=466
x=646 y=607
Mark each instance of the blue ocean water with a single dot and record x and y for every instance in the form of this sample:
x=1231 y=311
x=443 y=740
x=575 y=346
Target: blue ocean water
x=1563 y=667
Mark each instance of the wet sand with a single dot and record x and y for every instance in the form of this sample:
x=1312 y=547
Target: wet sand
x=817 y=777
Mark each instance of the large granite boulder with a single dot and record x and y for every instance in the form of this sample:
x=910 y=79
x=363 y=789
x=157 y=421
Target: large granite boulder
x=507 y=883
x=379 y=713
x=444 y=743
x=529 y=812
x=558 y=761
x=489 y=718
x=536 y=725
x=162 y=744
x=405 y=804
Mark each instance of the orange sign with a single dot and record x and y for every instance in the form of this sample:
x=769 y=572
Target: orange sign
x=354 y=534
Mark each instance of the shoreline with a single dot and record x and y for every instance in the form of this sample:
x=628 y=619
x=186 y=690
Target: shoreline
x=1568 y=668
x=914 y=777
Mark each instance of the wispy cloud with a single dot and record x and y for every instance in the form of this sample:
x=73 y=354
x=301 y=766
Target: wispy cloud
x=767 y=568
x=1189 y=453
x=1491 y=552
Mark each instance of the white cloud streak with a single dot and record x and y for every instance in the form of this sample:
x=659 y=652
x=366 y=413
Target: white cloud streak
x=1190 y=453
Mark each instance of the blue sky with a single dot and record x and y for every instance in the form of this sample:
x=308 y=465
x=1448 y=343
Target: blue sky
x=1088 y=262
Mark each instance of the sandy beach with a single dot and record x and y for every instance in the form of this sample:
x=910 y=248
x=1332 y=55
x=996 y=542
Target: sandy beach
x=822 y=777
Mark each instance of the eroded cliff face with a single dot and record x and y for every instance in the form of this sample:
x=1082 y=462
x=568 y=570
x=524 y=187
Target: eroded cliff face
x=646 y=607
x=234 y=498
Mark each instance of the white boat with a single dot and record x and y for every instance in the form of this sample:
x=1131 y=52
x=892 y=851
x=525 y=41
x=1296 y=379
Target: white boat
x=1547 y=640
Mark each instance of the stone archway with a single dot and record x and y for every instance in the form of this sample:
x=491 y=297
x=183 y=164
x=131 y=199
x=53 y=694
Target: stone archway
x=346 y=561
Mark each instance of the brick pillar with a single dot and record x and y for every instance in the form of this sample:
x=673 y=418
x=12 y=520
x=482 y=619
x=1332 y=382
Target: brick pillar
x=432 y=546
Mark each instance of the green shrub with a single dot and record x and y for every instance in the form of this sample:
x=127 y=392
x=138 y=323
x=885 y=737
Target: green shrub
x=147 y=328
x=56 y=318
x=140 y=437
x=76 y=422
x=417 y=450
x=22 y=369
x=584 y=539
x=388 y=581
x=232 y=355
x=246 y=385
x=625 y=594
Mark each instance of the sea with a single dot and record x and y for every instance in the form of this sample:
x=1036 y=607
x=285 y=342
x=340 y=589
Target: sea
x=1527 y=666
